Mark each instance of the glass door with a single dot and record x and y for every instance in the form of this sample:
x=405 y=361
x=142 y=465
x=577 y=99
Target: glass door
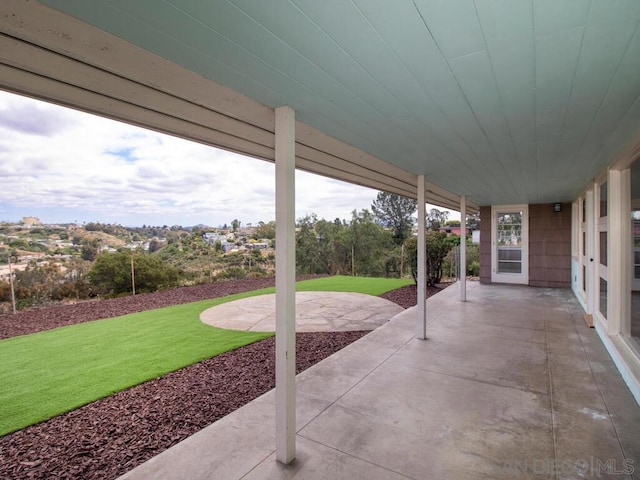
x=510 y=241
x=602 y=256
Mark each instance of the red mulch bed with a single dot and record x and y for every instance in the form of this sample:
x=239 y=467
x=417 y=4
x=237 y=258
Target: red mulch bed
x=109 y=437
x=407 y=296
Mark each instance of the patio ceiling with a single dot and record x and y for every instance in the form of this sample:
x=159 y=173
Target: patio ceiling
x=504 y=101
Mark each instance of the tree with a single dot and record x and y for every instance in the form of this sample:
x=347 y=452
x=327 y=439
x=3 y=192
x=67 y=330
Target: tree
x=76 y=284
x=155 y=245
x=316 y=246
x=35 y=284
x=235 y=224
x=266 y=230
x=473 y=221
x=359 y=247
x=436 y=219
x=437 y=247
x=111 y=273
x=395 y=212
x=89 y=250
x=370 y=244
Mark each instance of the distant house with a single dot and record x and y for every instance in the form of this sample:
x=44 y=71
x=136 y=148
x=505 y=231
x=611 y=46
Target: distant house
x=257 y=245
x=452 y=230
x=31 y=221
x=227 y=247
x=213 y=237
x=248 y=231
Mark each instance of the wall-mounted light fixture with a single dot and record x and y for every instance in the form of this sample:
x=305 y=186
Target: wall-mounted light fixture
x=557 y=207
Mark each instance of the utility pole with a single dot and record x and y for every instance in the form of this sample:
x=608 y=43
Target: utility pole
x=13 y=293
x=133 y=275
x=353 y=260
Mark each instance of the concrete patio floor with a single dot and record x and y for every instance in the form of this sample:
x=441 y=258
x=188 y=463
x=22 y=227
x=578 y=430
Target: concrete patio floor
x=511 y=384
x=315 y=312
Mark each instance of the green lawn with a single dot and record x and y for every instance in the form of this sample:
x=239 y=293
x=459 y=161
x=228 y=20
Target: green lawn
x=368 y=285
x=48 y=373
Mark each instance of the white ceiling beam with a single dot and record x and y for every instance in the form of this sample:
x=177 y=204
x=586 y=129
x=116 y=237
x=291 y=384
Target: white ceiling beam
x=61 y=93
x=39 y=24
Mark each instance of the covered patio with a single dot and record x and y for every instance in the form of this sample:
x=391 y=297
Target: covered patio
x=525 y=111
x=510 y=384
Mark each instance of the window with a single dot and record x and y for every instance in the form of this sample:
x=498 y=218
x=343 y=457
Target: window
x=510 y=242
x=603 y=248
x=603 y=199
x=635 y=238
x=583 y=222
x=603 y=297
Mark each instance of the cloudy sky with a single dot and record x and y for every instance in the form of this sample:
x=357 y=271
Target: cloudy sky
x=66 y=166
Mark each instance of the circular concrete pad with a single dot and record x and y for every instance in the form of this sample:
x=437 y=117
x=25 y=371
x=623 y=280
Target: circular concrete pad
x=315 y=312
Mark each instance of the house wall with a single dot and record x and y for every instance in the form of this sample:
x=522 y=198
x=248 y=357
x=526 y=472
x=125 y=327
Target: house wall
x=549 y=246
x=485 y=244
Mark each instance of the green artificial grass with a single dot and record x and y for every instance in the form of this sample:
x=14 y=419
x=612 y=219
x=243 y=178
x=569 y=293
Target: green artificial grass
x=368 y=285
x=48 y=373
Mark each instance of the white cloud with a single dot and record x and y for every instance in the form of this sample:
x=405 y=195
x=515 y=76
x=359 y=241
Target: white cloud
x=75 y=166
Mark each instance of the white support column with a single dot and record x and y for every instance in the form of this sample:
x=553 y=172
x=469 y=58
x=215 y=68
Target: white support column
x=422 y=260
x=463 y=248
x=285 y=285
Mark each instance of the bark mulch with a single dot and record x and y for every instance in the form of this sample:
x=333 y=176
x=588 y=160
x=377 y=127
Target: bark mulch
x=407 y=296
x=109 y=437
x=51 y=316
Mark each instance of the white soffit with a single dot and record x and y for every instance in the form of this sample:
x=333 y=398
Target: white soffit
x=504 y=101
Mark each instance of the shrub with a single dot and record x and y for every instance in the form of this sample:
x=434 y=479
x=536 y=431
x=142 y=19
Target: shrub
x=474 y=269
x=437 y=249
x=111 y=273
x=232 y=273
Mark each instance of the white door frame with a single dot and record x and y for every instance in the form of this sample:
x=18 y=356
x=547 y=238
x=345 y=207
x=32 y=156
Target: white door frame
x=588 y=253
x=518 y=278
x=600 y=271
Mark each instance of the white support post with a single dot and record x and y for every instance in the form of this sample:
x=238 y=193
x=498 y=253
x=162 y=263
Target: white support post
x=422 y=260
x=463 y=248
x=285 y=286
